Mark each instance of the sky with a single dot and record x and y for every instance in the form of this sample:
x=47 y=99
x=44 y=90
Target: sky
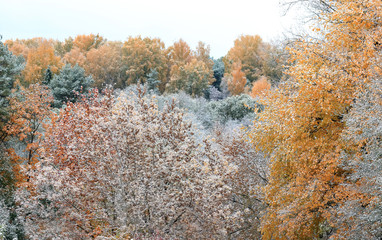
x=216 y=23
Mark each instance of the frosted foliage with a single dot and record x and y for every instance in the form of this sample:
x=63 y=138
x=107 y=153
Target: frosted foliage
x=4 y=218
x=214 y=93
x=364 y=214
x=246 y=199
x=235 y=110
x=9 y=228
x=196 y=108
x=118 y=168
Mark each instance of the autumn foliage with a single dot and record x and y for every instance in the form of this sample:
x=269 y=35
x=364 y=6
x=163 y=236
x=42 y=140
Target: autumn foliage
x=260 y=87
x=29 y=110
x=105 y=65
x=177 y=151
x=237 y=81
x=38 y=61
x=142 y=56
x=87 y=42
x=301 y=127
x=190 y=71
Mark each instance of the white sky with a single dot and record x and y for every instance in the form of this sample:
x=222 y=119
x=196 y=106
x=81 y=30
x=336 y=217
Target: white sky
x=214 y=22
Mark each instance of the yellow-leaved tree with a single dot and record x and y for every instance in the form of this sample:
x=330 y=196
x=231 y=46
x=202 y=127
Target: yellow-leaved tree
x=302 y=124
x=142 y=56
x=236 y=81
x=260 y=87
x=38 y=61
x=247 y=52
x=87 y=42
x=105 y=65
x=189 y=71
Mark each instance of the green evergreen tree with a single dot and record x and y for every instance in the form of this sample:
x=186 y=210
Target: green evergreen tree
x=218 y=69
x=153 y=81
x=48 y=76
x=234 y=108
x=10 y=67
x=67 y=85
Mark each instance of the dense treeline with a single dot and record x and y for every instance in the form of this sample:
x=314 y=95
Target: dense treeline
x=147 y=61
x=135 y=140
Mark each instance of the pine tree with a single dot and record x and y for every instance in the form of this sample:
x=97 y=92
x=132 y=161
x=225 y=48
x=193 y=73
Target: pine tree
x=10 y=67
x=48 y=76
x=218 y=69
x=67 y=85
x=153 y=81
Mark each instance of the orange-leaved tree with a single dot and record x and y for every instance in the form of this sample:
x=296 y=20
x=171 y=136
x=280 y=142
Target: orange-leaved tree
x=17 y=47
x=75 y=56
x=260 y=87
x=142 y=56
x=87 y=42
x=179 y=53
x=301 y=126
x=38 y=61
x=247 y=53
x=202 y=53
x=189 y=71
x=105 y=65
x=23 y=46
x=29 y=108
x=236 y=82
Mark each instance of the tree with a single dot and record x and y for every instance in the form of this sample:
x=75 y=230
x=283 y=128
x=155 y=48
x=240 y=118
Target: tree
x=189 y=71
x=17 y=47
x=257 y=59
x=153 y=81
x=180 y=53
x=246 y=199
x=246 y=53
x=29 y=108
x=67 y=85
x=193 y=78
x=39 y=59
x=301 y=127
x=23 y=46
x=75 y=56
x=276 y=62
x=361 y=215
x=237 y=81
x=202 y=53
x=260 y=87
x=233 y=108
x=218 y=69
x=87 y=42
x=10 y=67
x=105 y=65
x=142 y=56
x=48 y=76
x=61 y=48
x=123 y=168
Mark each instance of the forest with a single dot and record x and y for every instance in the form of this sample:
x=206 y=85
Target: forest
x=133 y=139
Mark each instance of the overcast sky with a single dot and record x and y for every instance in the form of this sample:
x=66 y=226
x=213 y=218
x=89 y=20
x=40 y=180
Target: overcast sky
x=215 y=22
